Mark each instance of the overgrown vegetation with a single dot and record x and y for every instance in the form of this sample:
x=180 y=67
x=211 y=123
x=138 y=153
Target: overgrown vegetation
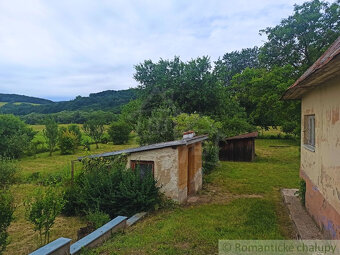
x=108 y=187
x=42 y=208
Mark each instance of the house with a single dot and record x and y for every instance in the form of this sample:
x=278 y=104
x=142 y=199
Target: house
x=238 y=148
x=319 y=91
x=176 y=165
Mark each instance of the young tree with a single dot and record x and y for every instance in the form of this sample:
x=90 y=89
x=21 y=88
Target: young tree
x=15 y=136
x=119 y=132
x=42 y=208
x=95 y=129
x=67 y=141
x=51 y=134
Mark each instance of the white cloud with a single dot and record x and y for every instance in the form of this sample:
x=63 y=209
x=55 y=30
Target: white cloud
x=61 y=49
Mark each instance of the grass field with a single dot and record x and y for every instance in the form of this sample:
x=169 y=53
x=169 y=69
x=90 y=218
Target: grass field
x=239 y=200
x=2 y=103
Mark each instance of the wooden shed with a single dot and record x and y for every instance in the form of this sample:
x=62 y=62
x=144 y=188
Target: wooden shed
x=238 y=148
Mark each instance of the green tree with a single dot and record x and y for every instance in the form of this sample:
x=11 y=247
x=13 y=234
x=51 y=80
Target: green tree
x=51 y=134
x=157 y=128
x=42 y=208
x=95 y=129
x=259 y=91
x=15 y=136
x=76 y=131
x=300 y=39
x=67 y=141
x=235 y=62
x=131 y=112
x=119 y=132
x=190 y=86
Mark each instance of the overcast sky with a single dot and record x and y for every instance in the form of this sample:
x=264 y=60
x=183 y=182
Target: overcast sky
x=64 y=48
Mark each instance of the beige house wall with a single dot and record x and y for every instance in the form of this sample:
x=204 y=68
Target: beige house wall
x=323 y=165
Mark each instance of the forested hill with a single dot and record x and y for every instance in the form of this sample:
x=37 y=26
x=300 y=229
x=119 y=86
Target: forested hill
x=14 y=98
x=109 y=100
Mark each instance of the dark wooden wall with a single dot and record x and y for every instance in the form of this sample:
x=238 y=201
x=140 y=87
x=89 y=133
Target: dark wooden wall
x=237 y=150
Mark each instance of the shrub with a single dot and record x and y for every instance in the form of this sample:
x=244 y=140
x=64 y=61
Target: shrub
x=6 y=216
x=110 y=188
x=119 y=132
x=210 y=157
x=42 y=208
x=8 y=170
x=67 y=141
x=15 y=136
x=97 y=218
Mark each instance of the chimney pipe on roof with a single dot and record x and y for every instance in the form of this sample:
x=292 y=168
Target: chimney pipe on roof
x=188 y=134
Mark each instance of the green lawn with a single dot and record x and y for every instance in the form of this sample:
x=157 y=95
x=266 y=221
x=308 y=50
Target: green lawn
x=242 y=201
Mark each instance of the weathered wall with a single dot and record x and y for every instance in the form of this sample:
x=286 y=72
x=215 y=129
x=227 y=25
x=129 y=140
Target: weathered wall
x=321 y=168
x=165 y=168
x=182 y=173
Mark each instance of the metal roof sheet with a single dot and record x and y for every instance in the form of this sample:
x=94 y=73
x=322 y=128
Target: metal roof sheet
x=243 y=136
x=156 y=146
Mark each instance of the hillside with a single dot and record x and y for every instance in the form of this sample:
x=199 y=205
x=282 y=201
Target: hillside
x=109 y=100
x=14 y=98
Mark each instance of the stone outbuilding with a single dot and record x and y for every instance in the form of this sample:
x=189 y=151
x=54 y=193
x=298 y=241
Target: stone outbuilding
x=175 y=165
x=319 y=91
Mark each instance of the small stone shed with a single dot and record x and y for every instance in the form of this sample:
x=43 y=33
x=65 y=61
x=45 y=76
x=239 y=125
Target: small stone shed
x=176 y=165
x=238 y=148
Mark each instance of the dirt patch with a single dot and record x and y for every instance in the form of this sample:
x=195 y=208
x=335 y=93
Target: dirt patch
x=212 y=194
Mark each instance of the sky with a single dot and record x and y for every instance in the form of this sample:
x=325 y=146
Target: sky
x=65 y=48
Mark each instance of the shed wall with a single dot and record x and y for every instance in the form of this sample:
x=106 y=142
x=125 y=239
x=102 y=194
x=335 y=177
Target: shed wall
x=165 y=168
x=237 y=150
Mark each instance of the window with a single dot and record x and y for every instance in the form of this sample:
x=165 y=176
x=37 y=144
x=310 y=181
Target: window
x=309 y=131
x=143 y=166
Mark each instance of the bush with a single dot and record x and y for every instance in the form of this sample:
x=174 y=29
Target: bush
x=210 y=157
x=119 y=132
x=15 y=136
x=8 y=170
x=200 y=124
x=42 y=208
x=110 y=188
x=6 y=216
x=97 y=218
x=67 y=142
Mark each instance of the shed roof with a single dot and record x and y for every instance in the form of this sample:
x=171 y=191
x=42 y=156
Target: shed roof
x=243 y=136
x=156 y=146
x=325 y=68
